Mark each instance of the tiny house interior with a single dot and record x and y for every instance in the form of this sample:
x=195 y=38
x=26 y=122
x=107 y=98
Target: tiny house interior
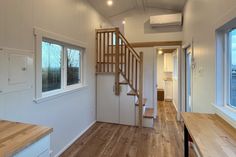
x=117 y=78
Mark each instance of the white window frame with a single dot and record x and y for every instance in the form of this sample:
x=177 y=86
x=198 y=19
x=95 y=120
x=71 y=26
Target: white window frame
x=227 y=70
x=221 y=105
x=42 y=35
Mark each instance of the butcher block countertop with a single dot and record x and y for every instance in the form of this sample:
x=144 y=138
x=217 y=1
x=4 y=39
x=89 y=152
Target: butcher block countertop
x=212 y=136
x=15 y=136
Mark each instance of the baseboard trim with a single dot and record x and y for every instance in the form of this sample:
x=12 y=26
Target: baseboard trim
x=72 y=141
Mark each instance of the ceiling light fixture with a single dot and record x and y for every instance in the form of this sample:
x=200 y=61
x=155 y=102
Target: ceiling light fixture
x=160 y=52
x=109 y=2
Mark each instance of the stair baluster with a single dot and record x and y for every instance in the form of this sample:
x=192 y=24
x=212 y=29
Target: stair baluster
x=115 y=55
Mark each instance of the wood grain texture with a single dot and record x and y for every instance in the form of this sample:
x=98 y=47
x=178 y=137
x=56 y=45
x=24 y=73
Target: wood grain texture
x=213 y=136
x=149 y=113
x=15 y=136
x=111 y=140
x=153 y=44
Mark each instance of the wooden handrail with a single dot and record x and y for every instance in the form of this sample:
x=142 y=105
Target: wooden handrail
x=106 y=30
x=135 y=53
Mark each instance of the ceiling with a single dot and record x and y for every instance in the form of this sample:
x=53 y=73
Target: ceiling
x=122 y=6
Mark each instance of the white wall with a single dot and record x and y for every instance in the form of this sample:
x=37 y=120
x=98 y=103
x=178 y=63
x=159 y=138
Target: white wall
x=148 y=71
x=138 y=29
x=200 y=19
x=68 y=115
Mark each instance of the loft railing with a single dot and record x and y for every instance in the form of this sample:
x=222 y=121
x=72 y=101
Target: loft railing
x=115 y=55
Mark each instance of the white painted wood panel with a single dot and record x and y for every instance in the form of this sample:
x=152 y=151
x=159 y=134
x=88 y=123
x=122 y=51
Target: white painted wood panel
x=40 y=148
x=107 y=101
x=3 y=72
x=127 y=107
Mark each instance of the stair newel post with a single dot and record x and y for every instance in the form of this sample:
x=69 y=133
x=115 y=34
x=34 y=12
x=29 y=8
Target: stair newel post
x=117 y=86
x=140 y=95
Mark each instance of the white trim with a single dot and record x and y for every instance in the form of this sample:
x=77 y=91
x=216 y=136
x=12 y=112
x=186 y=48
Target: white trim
x=73 y=140
x=226 y=113
x=57 y=94
x=61 y=38
x=40 y=34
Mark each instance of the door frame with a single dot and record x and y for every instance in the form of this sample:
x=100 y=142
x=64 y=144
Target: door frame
x=180 y=76
x=184 y=74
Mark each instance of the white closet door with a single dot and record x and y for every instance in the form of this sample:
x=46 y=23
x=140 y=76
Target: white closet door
x=127 y=107
x=107 y=101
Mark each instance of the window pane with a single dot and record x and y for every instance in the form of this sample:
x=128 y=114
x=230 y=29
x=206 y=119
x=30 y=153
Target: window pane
x=233 y=69
x=73 y=67
x=51 y=66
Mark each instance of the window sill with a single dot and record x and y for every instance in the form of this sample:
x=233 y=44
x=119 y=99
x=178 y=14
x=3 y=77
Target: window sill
x=227 y=114
x=59 y=94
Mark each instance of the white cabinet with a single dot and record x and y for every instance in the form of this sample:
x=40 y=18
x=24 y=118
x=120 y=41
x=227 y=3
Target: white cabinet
x=40 y=148
x=168 y=89
x=111 y=108
x=168 y=62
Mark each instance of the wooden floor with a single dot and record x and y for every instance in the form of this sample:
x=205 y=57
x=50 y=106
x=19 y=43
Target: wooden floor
x=110 y=140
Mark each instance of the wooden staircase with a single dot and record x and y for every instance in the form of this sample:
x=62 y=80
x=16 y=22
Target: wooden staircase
x=115 y=55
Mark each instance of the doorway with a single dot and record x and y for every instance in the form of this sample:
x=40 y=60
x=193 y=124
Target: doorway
x=167 y=73
x=188 y=78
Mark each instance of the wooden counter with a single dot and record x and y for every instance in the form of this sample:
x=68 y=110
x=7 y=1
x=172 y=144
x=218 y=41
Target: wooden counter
x=212 y=136
x=15 y=136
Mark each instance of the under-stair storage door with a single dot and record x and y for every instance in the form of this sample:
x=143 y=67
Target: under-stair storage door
x=107 y=101
x=127 y=107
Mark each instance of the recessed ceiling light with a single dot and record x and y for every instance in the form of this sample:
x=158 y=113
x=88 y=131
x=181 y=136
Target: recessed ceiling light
x=109 y=2
x=160 y=52
x=123 y=22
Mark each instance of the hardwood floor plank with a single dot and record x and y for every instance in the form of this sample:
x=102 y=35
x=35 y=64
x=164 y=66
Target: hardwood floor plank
x=112 y=140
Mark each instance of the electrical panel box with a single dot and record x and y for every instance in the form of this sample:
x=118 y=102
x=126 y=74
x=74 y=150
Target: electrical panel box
x=16 y=69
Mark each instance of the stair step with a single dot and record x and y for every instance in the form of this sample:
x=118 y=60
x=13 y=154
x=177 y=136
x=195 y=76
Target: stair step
x=109 y=63
x=101 y=73
x=132 y=93
x=124 y=82
x=112 y=54
x=144 y=102
x=149 y=113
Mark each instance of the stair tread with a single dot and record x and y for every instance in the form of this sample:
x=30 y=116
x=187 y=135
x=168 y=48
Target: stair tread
x=124 y=82
x=131 y=92
x=149 y=113
x=144 y=102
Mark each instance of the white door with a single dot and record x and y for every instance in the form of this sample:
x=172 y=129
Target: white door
x=127 y=107
x=107 y=101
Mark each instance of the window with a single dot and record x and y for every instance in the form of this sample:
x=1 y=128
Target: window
x=232 y=68
x=73 y=66
x=61 y=66
x=51 y=66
